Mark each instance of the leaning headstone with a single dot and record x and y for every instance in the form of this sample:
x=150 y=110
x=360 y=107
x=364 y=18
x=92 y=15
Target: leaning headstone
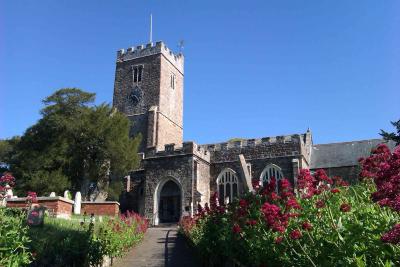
x=77 y=203
x=36 y=216
x=67 y=194
x=52 y=194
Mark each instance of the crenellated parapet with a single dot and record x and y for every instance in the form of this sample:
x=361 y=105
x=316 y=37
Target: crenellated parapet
x=151 y=49
x=187 y=148
x=246 y=143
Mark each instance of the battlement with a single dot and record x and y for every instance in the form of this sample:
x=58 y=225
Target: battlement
x=186 y=148
x=151 y=49
x=245 y=143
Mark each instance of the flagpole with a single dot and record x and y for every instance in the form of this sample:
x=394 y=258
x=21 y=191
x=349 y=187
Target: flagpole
x=151 y=28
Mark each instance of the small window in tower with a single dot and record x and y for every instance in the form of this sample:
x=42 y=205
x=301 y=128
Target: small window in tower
x=172 y=81
x=140 y=73
x=137 y=73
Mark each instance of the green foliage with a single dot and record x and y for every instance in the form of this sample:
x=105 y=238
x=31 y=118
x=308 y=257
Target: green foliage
x=14 y=238
x=337 y=238
x=80 y=243
x=392 y=135
x=114 y=190
x=6 y=152
x=74 y=142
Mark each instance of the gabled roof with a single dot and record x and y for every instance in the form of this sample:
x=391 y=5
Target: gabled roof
x=343 y=154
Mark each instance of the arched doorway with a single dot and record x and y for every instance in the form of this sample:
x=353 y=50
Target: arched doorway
x=169 y=209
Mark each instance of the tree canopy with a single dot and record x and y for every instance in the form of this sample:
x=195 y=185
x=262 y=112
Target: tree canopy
x=74 y=144
x=392 y=135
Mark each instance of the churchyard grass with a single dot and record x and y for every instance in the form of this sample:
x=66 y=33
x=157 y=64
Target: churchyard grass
x=61 y=242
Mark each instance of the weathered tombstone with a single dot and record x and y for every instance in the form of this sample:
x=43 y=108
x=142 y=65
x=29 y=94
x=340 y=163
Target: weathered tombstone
x=67 y=194
x=77 y=203
x=36 y=216
x=52 y=194
x=9 y=192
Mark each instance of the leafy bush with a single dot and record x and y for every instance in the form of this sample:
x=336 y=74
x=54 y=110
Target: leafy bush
x=326 y=223
x=82 y=243
x=14 y=238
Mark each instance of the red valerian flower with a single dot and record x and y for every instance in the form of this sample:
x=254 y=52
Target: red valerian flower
x=393 y=236
x=32 y=197
x=383 y=166
x=285 y=184
x=278 y=240
x=292 y=203
x=335 y=190
x=243 y=203
x=319 y=204
x=345 y=207
x=296 y=234
x=236 y=229
x=274 y=196
x=306 y=226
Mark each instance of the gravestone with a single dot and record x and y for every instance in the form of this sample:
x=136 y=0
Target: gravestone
x=9 y=192
x=77 y=203
x=67 y=194
x=36 y=216
x=52 y=194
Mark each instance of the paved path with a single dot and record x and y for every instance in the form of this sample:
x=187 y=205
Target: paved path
x=161 y=247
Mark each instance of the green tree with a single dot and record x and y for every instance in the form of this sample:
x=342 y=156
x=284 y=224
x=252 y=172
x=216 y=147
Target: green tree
x=6 y=152
x=392 y=135
x=74 y=144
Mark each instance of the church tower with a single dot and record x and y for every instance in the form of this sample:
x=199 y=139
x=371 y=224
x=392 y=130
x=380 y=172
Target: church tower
x=148 y=89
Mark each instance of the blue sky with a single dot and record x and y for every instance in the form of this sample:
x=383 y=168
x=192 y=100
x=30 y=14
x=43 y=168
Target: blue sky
x=252 y=68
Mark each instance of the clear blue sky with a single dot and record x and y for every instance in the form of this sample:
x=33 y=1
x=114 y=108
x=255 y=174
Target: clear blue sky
x=252 y=68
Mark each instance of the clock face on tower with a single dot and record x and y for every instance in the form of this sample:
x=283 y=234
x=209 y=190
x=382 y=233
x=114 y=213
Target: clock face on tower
x=135 y=96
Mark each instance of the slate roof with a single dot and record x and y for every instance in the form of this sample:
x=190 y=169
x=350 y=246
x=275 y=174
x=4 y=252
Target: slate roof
x=343 y=154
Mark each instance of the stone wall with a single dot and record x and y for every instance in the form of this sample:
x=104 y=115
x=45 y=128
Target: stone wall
x=161 y=169
x=57 y=206
x=106 y=208
x=347 y=173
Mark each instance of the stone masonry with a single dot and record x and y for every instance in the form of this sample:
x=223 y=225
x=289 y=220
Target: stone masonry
x=154 y=104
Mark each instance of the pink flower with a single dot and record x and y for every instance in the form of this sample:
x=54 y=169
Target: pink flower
x=296 y=234
x=278 y=240
x=393 y=236
x=243 y=203
x=320 y=204
x=292 y=203
x=306 y=226
x=335 y=190
x=345 y=207
x=236 y=229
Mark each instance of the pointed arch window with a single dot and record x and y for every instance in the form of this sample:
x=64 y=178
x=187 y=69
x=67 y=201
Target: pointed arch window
x=228 y=189
x=271 y=170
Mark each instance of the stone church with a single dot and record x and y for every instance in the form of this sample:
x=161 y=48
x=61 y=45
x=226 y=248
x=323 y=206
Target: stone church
x=174 y=176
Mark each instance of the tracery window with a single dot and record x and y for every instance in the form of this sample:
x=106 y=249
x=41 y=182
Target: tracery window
x=228 y=189
x=271 y=170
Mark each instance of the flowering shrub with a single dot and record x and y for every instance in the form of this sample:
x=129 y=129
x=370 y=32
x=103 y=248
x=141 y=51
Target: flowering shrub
x=327 y=223
x=72 y=243
x=383 y=167
x=7 y=181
